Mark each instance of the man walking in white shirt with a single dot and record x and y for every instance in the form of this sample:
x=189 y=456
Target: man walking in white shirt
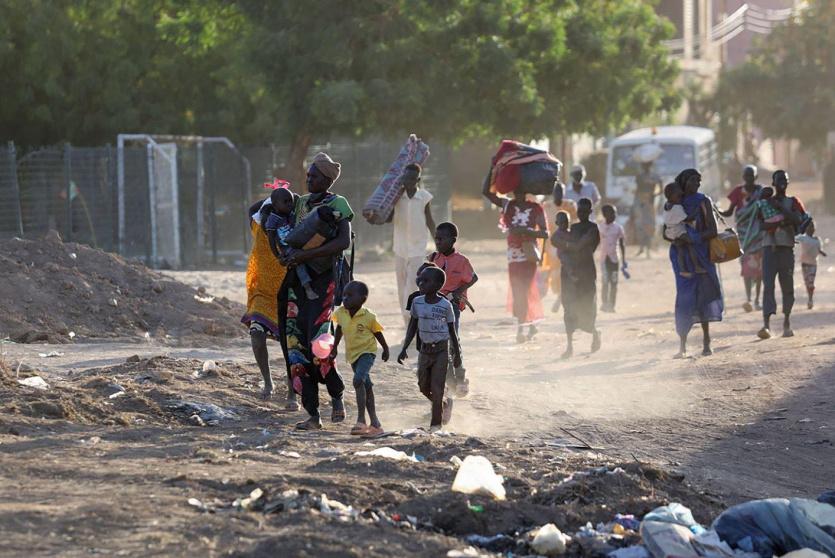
x=413 y=225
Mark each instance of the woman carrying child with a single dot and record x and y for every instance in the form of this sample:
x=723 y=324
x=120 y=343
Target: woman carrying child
x=304 y=319
x=698 y=295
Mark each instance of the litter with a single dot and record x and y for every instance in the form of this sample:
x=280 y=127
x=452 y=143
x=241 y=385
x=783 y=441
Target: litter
x=675 y=513
x=336 y=509
x=388 y=453
x=468 y=552
x=496 y=543
x=412 y=433
x=50 y=354
x=209 y=366
x=804 y=553
x=251 y=501
x=628 y=521
x=776 y=526
x=197 y=504
x=476 y=476
x=34 y=382
x=204 y=299
x=293 y=454
x=549 y=541
x=637 y=551
x=667 y=540
x=117 y=394
x=709 y=544
x=209 y=413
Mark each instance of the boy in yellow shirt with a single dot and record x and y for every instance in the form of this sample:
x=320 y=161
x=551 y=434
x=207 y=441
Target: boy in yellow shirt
x=362 y=332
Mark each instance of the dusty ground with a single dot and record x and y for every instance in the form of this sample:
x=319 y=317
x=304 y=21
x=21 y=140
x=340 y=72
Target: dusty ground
x=82 y=474
x=62 y=293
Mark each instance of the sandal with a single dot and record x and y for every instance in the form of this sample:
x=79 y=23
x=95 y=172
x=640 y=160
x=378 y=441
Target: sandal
x=338 y=412
x=292 y=405
x=359 y=429
x=374 y=432
x=309 y=424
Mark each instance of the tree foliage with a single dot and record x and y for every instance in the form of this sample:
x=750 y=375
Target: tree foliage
x=788 y=84
x=260 y=70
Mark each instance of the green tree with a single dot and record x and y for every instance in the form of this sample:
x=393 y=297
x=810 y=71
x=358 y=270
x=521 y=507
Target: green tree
x=788 y=84
x=452 y=70
x=86 y=70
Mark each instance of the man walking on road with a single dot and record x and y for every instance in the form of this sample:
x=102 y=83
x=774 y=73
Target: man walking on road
x=778 y=253
x=581 y=188
x=413 y=224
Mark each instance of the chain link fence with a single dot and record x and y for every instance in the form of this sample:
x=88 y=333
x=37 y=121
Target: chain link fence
x=181 y=202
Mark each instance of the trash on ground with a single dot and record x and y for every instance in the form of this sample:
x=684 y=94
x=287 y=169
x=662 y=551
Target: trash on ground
x=209 y=413
x=293 y=454
x=209 y=366
x=336 y=509
x=388 y=453
x=549 y=541
x=476 y=476
x=804 y=553
x=197 y=504
x=253 y=501
x=637 y=551
x=675 y=513
x=34 y=382
x=668 y=540
x=50 y=354
x=469 y=552
x=776 y=525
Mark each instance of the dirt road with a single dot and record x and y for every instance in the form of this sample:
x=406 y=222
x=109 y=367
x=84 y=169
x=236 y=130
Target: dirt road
x=83 y=474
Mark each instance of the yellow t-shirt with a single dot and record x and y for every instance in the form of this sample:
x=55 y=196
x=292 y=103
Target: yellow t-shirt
x=358 y=331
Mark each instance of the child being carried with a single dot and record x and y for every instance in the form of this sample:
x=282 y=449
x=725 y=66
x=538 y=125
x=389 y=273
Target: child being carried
x=675 y=222
x=766 y=207
x=287 y=236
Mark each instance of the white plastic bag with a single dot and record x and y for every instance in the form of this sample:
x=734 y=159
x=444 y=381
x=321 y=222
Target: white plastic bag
x=388 y=453
x=476 y=476
x=549 y=541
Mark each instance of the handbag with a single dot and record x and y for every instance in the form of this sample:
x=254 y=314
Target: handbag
x=725 y=246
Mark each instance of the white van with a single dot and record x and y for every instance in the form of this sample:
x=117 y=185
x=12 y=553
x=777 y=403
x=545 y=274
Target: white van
x=683 y=147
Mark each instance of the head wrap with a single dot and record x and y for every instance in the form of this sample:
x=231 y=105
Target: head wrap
x=684 y=176
x=578 y=168
x=327 y=166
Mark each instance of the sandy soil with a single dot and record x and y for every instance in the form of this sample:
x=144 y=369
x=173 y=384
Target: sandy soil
x=82 y=473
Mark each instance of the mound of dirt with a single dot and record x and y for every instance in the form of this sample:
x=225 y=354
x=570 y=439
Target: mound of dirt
x=158 y=390
x=49 y=289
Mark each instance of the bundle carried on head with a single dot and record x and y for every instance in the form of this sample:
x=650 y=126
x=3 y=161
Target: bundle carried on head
x=520 y=166
x=380 y=205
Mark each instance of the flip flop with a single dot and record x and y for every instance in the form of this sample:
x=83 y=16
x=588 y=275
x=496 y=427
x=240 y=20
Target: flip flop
x=309 y=424
x=374 y=432
x=359 y=430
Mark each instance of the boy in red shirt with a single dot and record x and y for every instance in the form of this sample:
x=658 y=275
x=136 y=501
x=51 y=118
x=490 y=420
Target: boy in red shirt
x=459 y=277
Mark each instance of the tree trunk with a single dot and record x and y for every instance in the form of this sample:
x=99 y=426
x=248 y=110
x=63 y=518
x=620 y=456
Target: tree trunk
x=296 y=171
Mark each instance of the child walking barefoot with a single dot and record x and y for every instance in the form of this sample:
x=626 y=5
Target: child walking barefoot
x=810 y=248
x=433 y=316
x=362 y=332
